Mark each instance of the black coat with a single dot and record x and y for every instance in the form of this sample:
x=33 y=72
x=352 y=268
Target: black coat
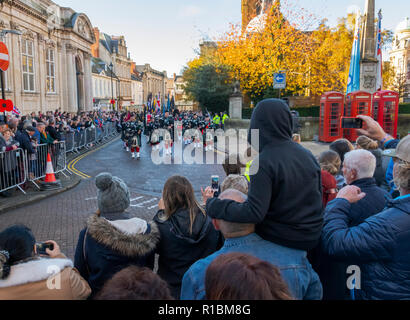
x=25 y=141
x=285 y=194
x=332 y=272
x=178 y=249
x=53 y=132
x=108 y=250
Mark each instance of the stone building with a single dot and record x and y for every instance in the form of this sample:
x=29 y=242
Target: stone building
x=105 y=85
x=50 y=63
x=113 y=49
x=253 y=11
x=400 y=58
x=182 y=101
x=154 y=82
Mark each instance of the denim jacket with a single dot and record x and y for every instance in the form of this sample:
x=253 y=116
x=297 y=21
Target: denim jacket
x=302 y=280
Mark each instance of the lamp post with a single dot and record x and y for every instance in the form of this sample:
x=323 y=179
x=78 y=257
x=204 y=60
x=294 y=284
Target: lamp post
x=112 y=86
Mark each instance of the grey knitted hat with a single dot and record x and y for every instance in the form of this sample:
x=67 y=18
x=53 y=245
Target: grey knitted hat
x=113 y=194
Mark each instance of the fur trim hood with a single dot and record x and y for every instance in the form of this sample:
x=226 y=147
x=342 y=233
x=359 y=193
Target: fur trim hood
x=133 y=237
x=33 y=271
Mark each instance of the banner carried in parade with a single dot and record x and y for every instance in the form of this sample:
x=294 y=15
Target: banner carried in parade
x=379 y=77
x=353 y=83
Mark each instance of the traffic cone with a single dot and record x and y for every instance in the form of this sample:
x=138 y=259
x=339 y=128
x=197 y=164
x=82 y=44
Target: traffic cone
x=50 y=182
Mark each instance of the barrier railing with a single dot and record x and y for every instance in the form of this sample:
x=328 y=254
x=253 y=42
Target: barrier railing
x=13 y=170
x=17 y=167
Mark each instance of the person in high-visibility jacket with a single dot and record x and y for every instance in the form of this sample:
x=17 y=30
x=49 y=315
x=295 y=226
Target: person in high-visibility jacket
x=225 y=117
x=247 y=171
x=217 y=119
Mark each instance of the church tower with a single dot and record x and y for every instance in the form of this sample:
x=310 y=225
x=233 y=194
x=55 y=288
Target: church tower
x=253 y=8
x=368 y=63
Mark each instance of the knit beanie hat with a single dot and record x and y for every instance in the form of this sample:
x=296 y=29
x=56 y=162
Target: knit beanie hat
x=113 y=194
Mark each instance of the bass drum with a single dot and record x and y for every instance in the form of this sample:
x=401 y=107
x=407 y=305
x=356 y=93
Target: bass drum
x=155 y=137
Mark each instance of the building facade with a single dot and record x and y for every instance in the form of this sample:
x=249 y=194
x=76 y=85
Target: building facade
x=105 y=85
x=137 y=88
x=113 y=49
x=252 y=10
x=50 y=63
x=182 y=101
x=154 y=83
x=400 y=58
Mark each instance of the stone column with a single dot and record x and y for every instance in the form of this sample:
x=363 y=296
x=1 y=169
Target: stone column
x=235 y=103
x=88 y=92
x=368 y=64
x=71 y=83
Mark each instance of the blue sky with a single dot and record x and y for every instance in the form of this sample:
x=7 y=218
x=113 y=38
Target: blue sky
x=166 y=33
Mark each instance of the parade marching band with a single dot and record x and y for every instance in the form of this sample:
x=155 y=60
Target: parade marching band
x=187 y=127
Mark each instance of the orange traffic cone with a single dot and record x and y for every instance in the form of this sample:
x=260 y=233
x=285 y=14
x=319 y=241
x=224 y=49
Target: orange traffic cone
x=50 y=182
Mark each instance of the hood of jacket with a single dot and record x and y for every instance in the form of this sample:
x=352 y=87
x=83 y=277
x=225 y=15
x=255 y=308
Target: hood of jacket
x=132 y=237
x=34 y=271
x=180 y=225
x=402 y=204
x=274 y=121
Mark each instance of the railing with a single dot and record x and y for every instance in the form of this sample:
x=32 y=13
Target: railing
x=18 y=167
x=13 y=170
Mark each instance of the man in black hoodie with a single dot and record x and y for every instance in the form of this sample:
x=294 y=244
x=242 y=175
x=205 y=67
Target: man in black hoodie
x=285 y=194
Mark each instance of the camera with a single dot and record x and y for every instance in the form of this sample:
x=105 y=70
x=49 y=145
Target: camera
x=41 y=248
x=352 y=123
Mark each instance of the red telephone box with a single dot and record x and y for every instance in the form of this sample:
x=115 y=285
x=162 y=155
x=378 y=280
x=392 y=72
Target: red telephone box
x=331 y=110
x=386 y=110
x=357 y=103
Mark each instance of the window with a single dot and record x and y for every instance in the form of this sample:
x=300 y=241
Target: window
x=28 y=65
x=51 y=75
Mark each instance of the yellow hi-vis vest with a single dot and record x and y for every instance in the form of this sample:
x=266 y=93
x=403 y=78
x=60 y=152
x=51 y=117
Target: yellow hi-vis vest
x=217 y=119
x=247 y=171
x=224 y=118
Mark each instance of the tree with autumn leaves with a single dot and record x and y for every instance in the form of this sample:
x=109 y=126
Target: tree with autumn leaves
x=315 y=61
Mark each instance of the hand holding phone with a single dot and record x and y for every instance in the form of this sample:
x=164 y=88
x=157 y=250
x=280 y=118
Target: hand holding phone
x=352 y=123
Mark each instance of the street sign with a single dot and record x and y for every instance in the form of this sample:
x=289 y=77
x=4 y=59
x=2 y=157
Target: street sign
x=4 y=57
x=279 y=81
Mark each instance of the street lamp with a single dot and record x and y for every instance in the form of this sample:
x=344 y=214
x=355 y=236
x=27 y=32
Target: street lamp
x=112 y=86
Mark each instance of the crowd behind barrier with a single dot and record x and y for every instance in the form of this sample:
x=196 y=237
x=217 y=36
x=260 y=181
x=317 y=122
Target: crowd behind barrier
x=17 y=167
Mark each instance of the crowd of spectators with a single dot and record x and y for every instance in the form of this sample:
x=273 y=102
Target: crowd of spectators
x=30 y=131
x=293 y=231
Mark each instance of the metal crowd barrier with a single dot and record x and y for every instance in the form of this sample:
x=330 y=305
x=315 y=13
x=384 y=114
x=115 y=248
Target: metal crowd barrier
x=17 y=167
x=13 y=170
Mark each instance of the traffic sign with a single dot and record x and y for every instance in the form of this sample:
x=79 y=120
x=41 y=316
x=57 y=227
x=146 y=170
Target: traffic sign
x=279 y=81
x=4 y=57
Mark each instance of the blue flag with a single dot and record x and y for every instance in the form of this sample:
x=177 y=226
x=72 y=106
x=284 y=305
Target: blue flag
x=353 y=83
x=168 y=103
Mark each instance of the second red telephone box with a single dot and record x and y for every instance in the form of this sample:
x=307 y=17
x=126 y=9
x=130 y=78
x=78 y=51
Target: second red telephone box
x=331 y=110
x=386 y=110
x=357 y=103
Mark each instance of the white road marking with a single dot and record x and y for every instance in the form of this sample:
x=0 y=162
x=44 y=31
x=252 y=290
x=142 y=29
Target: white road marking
x=93 y=198
x=136 y=199
x=139 y=205
x=153 y=207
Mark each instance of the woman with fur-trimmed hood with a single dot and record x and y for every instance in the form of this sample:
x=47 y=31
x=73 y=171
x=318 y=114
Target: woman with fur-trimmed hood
x=112 y=239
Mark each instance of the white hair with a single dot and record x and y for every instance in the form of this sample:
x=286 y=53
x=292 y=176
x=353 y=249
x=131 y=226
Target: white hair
x=363 y=161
